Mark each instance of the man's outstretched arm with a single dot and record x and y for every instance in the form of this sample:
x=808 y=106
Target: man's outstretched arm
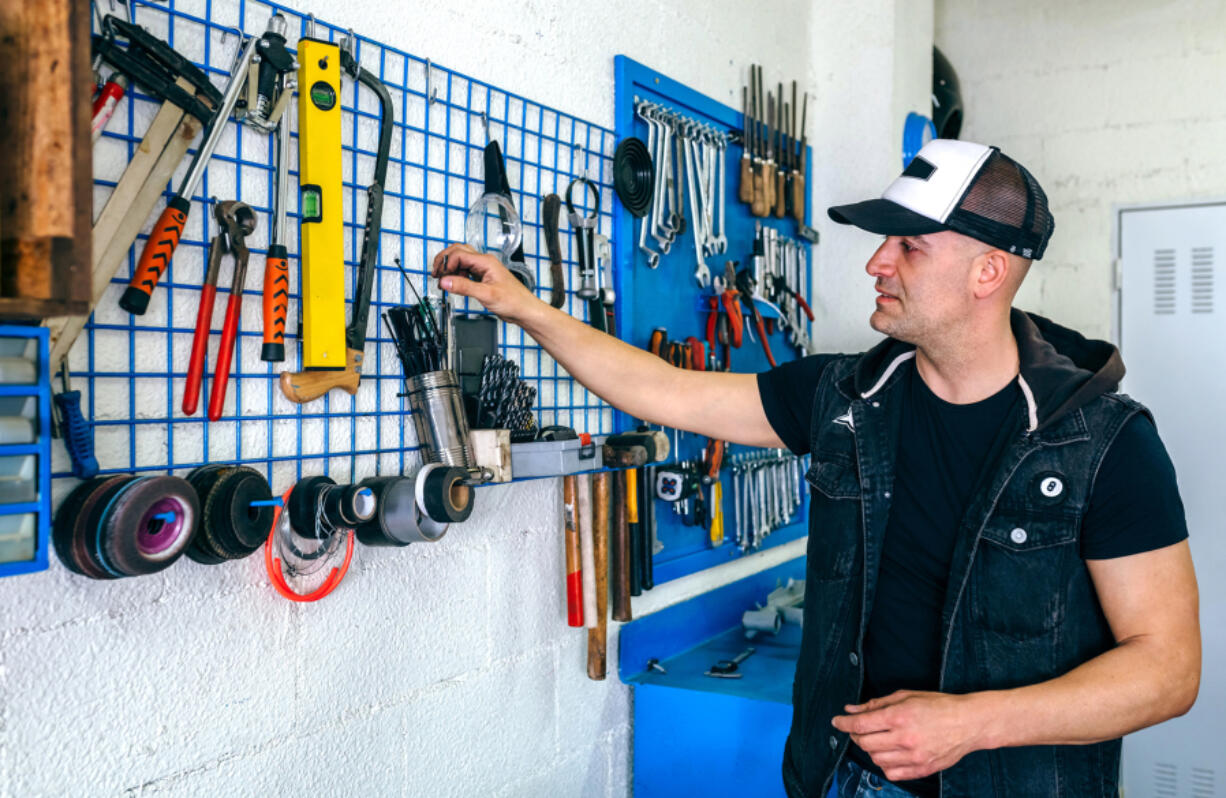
x=1153 y=674
x=721 y=405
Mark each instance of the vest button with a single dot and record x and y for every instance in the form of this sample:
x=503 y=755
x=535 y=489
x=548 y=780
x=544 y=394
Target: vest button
x=855 y=660
x=1018 y=535
x=834 y=743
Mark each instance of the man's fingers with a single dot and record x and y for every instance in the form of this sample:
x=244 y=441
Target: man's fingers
x=462 y=286
x=863 y=723
x=877 y=742
x=460 y=257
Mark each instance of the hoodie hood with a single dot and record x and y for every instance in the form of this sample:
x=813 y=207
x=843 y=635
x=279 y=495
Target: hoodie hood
x=1061 y=370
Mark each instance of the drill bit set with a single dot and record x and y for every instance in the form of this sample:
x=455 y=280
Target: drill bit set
x=504 y=400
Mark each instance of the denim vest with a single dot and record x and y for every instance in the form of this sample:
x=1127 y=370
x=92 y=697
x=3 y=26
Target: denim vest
x=1020 y=606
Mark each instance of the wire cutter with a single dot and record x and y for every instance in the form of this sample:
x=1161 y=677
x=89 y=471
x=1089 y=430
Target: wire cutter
x=237 y=221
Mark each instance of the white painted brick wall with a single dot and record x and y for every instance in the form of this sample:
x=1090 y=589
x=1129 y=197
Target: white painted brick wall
x=1106 y=103
x=437 y=670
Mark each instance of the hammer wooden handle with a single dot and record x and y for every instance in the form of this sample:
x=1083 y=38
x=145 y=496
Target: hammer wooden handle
x=619 y=542
x=596 y=638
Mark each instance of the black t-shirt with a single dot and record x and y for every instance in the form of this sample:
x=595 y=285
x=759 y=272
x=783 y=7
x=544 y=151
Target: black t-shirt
x=943 y=449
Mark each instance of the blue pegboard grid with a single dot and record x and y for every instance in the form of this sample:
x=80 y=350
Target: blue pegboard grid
x=668 y=296
x=132 y=368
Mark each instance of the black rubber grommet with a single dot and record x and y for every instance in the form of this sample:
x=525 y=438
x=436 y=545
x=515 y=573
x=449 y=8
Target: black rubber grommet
x=135 y=539
x=634 y=176
x=445 y=496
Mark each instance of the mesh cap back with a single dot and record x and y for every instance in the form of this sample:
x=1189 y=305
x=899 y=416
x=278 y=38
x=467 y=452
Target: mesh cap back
x=958 y=185
x=1004 y=206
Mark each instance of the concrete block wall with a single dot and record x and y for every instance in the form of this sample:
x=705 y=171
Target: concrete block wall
x=1107 y=103
x=441 y=669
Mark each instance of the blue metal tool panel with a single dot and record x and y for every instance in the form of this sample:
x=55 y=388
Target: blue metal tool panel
x=668 y=296
x=132 y=368
x=25 y=443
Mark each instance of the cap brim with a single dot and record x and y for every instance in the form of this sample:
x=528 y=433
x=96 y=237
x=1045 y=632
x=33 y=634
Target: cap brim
x=885 y=218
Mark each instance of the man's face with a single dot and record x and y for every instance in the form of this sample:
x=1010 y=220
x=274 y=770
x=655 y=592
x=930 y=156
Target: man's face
x=923 y=285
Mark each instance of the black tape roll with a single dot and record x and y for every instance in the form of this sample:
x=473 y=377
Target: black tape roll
x=204 y=548
x=347 y=506
x=301 y=505
x=66 y=518
x=84 y=538
x=398 y=521
x=134 y=540
x=634 y=176
x=234 y=528
x=441 y=492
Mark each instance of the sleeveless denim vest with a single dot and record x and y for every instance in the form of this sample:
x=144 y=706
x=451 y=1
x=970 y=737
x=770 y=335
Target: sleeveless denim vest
x=1020 y=605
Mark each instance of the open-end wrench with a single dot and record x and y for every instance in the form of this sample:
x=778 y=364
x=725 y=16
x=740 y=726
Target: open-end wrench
x=721 y=144
x=702 y=274
x=653 y=257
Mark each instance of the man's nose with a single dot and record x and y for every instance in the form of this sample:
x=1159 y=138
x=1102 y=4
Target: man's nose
x=882 y=263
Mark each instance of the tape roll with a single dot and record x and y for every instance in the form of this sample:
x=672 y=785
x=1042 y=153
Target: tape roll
x=148 y=525
x=349 y=505
x=301 y=505
x=232 y=527
x=398 y=520
x=441 y=493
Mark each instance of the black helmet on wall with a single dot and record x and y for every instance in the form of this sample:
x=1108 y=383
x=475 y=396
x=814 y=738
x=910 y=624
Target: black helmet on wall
x=946 y=97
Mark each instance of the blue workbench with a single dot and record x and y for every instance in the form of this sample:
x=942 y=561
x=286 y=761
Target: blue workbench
x=698 y=735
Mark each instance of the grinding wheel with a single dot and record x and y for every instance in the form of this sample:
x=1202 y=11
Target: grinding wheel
x=237 y=528
x=83 y=537
x=66 y=517
x=204 y=548
x=148 y=524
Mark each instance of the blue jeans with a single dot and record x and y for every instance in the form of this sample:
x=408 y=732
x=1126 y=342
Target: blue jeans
x=853 y=781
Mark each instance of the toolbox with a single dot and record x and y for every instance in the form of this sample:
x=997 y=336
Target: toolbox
x=553 y=458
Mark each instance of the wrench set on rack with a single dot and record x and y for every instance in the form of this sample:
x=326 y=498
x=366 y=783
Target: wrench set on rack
x=768 y=487
x=689 y=162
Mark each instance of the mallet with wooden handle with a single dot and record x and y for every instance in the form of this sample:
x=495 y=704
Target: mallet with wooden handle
x=596 y=638
x=574 y=567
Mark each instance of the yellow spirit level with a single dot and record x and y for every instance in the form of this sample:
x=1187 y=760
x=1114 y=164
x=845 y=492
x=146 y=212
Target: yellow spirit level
x=322 y=231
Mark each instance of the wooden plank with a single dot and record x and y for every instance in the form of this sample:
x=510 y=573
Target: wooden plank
x=45 y=176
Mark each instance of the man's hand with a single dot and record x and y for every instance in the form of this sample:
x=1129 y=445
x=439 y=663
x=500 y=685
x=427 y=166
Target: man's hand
x=495 y=288
x=911 y=734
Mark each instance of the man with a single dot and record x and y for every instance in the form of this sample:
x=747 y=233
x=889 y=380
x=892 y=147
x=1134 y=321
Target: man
x=998 y=578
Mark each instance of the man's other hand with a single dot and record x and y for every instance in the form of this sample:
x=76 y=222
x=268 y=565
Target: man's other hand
x=911 y=734
x=493 y=285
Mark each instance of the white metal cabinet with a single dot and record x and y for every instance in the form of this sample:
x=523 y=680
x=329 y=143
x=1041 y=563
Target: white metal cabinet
x=1172 y=328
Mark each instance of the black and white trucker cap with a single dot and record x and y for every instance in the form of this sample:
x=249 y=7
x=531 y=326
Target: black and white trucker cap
x=970 y=188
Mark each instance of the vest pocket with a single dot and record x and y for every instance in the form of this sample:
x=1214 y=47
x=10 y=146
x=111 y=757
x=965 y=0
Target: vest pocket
x=1021 y=572
x=833 y=477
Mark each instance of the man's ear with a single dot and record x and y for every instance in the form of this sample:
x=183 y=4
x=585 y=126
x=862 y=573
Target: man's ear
x=990 y=273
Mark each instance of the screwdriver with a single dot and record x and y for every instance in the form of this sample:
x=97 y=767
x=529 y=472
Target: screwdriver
x=781 y=108
x=745 y=190
x=798 y=185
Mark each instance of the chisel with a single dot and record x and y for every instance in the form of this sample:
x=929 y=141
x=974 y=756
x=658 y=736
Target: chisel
x=758 y=205
x=781 y=108
x=798 y=185
x=745 y=189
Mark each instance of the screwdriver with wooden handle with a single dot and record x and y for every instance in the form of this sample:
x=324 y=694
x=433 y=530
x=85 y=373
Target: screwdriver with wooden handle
x=781 y=166
x=574 y=568
x=798 y=184
x=768 y=166
x=745 y=189
x=758 y=201
x=597 y=637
